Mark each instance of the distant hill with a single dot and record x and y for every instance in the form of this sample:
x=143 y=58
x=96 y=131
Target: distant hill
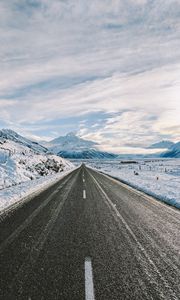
x=173 y=152
x=169 y=149
x=161 y=145
x=87 y=154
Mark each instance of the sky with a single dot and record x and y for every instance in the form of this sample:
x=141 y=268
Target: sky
x=107 y=69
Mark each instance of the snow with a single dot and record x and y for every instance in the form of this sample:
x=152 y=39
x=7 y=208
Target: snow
x=26 y=167
x=18 y=163
x=158 y=178
x=19 y=193
x=10 y=135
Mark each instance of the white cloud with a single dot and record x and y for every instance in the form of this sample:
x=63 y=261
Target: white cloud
x=125 y=55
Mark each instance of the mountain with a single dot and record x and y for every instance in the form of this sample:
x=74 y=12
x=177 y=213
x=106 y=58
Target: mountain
x=69 y=142
x=173 y=152
x=74 y=147
x=161 y=145
x=72 y=142
x=10 y=135
x=21 y=160
x=170 y=149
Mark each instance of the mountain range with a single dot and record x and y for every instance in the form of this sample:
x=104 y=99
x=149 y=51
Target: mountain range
x=72 y=146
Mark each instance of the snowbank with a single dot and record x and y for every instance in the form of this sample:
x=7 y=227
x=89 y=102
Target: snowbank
x=18 y=193
x=19 y=163
x=26 y=167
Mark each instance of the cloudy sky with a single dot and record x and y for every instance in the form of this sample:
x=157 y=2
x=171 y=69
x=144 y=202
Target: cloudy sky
x=107 y=69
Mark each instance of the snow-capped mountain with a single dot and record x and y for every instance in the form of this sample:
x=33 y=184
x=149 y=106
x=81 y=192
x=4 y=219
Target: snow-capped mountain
x=72 y=146
x=69 y=142
x=168 y=149
x=10 y=135
x=173 y=152
x=162 y=145
x=22 y=160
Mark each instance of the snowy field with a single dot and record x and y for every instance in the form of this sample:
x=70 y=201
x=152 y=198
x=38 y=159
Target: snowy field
x=158 y=178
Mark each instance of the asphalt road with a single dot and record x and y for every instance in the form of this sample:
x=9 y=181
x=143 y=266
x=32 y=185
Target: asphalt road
x=90 y=237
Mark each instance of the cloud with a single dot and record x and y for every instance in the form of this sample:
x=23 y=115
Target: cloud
x=66 y=58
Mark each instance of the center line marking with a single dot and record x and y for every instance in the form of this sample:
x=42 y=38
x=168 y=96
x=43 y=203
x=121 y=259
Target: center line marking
x=89 y=286
x=84 y=194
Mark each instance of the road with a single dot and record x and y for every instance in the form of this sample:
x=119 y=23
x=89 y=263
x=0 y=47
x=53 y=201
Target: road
x=90 y=237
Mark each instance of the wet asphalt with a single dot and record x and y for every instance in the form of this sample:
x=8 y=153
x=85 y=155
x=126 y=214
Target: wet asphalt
x=133 y=242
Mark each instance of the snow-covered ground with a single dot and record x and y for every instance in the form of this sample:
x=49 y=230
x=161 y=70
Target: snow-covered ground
x=158 y=178
x=18 y=193
x=19 y=163
x=26 y=167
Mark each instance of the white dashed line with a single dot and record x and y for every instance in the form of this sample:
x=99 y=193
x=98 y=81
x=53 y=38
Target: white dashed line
x=138 y=243
x=89 y=286
x=84 y=194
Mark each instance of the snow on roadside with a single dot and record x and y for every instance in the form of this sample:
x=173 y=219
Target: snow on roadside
x=19 y=163
x=158 y=178
x=19 y=193
x=26 y=167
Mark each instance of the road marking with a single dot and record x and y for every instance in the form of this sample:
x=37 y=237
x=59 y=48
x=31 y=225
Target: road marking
x=84 y=194
x=140 y=246
x=83 y=180
x=89 y=286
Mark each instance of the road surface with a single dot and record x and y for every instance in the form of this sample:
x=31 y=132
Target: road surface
x=90 y=237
